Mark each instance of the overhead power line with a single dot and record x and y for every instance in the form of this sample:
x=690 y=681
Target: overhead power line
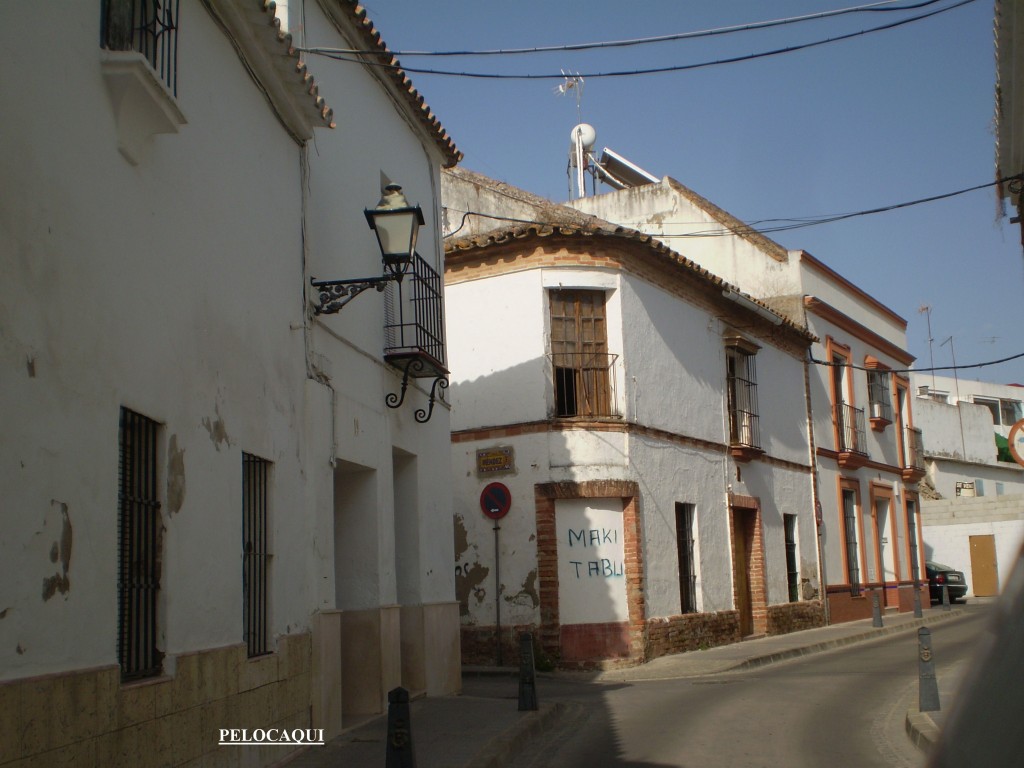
x=750 y=228
x=347 y=56
x=816 y=361
x=879 y=7
x=812 y=221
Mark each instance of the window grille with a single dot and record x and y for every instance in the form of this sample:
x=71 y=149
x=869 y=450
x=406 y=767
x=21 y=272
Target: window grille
x=139 y=544
x=414 y=319
x=852 y=437
x=687 y=563
x=255 y=554
x=582 y=366
x=850 y=520
x=914 y=444
x=879 y=397
x=741 y=387
x=792 y=569
x=149 y=27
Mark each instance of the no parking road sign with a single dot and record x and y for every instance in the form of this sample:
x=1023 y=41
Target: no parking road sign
x=496 y=500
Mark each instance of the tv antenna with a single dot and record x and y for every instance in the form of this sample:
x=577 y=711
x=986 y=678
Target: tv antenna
x=926 y=310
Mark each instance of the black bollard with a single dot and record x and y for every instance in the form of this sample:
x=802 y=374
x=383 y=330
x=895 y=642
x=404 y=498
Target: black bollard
x=400 y=753
x=527 y=681
x=876 y=611
x=917 y=602
x=945 y=597
x=928 y=686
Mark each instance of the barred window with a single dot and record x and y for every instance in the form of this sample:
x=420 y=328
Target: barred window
x=139 y=545
x=255 y=553
x=579 y=354
x=687 y=564
x=741 y=388
x=879 y=397
x=792 y=566
x=850 y=529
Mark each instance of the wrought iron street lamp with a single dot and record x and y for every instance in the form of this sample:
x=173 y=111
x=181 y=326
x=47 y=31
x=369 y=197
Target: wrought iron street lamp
x=396 y=224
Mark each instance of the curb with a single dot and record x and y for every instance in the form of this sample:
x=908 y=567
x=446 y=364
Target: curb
x=502 y=750
x=922 y=730
x=826 y=645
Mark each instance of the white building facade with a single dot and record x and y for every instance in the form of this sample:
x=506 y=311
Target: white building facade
x=647 y=431
x=867 y=451
x=213 y=519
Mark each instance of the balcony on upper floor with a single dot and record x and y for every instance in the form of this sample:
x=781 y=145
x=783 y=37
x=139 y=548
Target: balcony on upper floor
x=913 y=468
x=852 y=447
x=584 y=384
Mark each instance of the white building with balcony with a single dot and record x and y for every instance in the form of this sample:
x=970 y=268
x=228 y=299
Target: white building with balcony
x=212 y=519
x=644 y=425
x=867 y=449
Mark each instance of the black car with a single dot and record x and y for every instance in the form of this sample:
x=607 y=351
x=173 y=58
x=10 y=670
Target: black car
x=939 y=575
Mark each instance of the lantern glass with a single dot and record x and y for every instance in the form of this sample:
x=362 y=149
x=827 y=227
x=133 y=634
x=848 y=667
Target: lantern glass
x=396 y=232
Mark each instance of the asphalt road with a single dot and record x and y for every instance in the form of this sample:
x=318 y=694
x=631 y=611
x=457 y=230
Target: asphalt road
x=841 y=708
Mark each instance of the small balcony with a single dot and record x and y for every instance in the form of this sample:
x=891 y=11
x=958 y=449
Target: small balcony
x=744 y=424
x=414 y=323
x=852 y=448
x=584 y=384
x=913 y=455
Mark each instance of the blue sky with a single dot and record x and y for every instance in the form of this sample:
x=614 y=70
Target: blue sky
x=868 y=122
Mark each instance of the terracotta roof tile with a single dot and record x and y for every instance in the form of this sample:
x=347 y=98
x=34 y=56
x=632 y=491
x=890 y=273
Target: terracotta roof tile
x=392 y=69
x=600 y=228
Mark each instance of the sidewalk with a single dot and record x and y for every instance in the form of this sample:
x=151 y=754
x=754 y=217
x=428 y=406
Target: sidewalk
x=475 y=731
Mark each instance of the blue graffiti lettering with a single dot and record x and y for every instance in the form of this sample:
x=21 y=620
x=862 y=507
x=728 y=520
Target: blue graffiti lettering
x=578 y=537
x=577 y=563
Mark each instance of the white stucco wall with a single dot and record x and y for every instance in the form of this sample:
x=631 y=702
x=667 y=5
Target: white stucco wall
x=138 y=286
x=663 y=211
x=950 y=523
x=966 y=390
x=176 y=288
x=670 y=376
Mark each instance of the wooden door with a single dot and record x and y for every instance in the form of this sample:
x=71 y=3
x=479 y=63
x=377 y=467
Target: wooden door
x=743 y=544
x=984 y=572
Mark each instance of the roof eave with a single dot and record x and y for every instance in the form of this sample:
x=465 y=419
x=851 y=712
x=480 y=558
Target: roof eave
x=267 y=51
x=351 y=21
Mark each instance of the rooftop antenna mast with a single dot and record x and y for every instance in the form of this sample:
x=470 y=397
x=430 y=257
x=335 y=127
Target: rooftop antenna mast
x=926 y=310
x=582 y=136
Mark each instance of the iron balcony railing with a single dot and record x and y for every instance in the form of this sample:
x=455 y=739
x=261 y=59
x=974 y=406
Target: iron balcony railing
x=149 y=27
x=852 y=436
x=584 y=383
x=914 y=449
x=744 y=426
x=414 y=320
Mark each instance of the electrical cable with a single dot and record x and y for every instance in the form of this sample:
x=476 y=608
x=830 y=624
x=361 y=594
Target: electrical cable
x=805 y=222
x=757 y=25
x=634 y=72
x=810 y=221
x=816 y=361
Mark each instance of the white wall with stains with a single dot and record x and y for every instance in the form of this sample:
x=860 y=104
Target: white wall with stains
x=670 y=377
x=177 y=287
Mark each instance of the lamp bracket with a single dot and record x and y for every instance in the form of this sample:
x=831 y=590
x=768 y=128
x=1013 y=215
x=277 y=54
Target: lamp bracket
x=412 y=367
x=335 y=294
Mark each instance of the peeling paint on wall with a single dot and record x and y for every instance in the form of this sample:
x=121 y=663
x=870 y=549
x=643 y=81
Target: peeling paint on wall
x=461 y=538
x=527 y=596
x=468 y=579
x=61 y=551
x=218 y=431
x=175 y=476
